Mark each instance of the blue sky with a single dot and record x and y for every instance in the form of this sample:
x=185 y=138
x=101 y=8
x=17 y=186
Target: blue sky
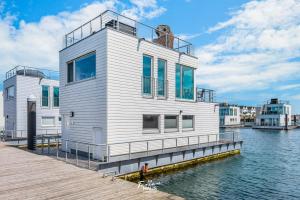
x=249 y=51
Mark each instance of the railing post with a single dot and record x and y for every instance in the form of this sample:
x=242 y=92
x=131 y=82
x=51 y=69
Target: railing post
x=73 y=41
x=162 y=145
x=129 y=150
x=42 y=143
x=207 y=138
x=76 y=151
x=176 y=143
x=147 y=148
x=57 y=145
x=100 y=22
x=66 y=41
x=48 y=145
x=66 y=150
x=90 y=27
x=89 y=162
x=108 y=153
x=81 y=33
x=188 y=140
x=233 y=136
x=198 y=140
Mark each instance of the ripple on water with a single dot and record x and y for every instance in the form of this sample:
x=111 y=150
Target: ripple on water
x=268 y=168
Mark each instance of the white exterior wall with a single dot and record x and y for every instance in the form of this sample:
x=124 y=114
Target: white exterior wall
x=126 y=105
x=16 y=108
x=88 y=98
x=113 y=102
x=230 y=120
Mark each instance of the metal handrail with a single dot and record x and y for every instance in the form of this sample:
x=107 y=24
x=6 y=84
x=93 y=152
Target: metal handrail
x=186 y=46
x=14 y=133
x=25 y=70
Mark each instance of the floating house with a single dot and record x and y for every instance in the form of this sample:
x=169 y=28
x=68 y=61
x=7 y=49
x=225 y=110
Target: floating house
x=27 y=84
x=229 y=115
x=247 y=115
x=275 y=114
x=128 y=95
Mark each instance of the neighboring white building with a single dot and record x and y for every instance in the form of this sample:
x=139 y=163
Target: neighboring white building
x=119 y=87
x=229 y=115
x=274 y=114
x=1 y=112
x=22 y=83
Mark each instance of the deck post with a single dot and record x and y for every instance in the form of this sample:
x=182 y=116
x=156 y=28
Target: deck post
x=76 y=145
x=48 y=145
x=66 y=150
x=108 y=153
x=57 y=145
x=129 y=150
x=89 y=156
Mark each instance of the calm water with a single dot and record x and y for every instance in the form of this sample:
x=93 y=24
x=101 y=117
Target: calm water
x=268 y=168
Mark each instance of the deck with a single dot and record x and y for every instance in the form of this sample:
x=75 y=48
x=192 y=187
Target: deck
x=24 y=175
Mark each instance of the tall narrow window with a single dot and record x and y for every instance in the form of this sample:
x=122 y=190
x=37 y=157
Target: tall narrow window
x=147 y=75
x=55 y=96
x=161 y=78
x=10 y=92
x=45 y=95
x=178 y=81
x=70 y=72
x=184 y=82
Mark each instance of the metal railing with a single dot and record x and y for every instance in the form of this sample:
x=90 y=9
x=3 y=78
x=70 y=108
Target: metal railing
x=205 y=95
x=128 y=26
x=22 y=134
x=33 y=72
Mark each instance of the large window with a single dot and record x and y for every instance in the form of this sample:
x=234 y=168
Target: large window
x=184 y=82
x=147 y=75
x=161 y=78
x=82 y=68
x=171 y=122
x=48 y=121
x=188 y=122
x=55 y=96
x=151 y=123
x=10 y=92
x=45 y=95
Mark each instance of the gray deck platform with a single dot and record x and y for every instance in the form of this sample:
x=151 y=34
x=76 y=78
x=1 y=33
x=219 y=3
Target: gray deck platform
x=24 y=175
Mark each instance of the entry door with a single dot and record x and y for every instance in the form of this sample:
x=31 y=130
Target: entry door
x=98 y=138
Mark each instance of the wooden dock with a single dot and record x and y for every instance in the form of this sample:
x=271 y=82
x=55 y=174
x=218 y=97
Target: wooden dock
x=24 y=175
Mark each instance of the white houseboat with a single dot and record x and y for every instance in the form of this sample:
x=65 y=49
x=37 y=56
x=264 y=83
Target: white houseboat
x=24 y=84
x=275 y=114
x=229 y=115
x=128 y=88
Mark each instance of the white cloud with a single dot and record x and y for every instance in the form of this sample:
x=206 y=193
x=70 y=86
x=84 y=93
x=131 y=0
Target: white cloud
x=290 y=86
x=37 y=44
x=254 y=51
x=188 y=36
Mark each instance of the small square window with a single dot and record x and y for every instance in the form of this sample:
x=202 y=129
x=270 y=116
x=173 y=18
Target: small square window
x=188 y=121
x=151 y=123
x=171 y=123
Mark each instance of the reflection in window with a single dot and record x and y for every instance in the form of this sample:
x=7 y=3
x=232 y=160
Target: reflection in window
x=171 y=121
x=48 y=121
x=55 y=96
x=45 y=95
x=85 y=67
x=187 y=121
x=161 y=78
x=147 y=75
x=150 y=122
x=10 y=92
x=184 y=82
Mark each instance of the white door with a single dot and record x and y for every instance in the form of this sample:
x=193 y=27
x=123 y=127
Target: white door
x=98 y=139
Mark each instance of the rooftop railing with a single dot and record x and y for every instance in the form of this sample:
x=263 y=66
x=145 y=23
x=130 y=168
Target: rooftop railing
x=33 y=72
x=205 y=95
x=128 y=26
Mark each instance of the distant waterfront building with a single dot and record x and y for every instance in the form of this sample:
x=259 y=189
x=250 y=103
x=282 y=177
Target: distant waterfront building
x=229 y=115
x=274 y=114
x=24 y=84
x=1 y=112
x=296 y=120
x=247 y=115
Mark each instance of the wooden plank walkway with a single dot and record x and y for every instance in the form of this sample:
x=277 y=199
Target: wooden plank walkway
x=24 y=175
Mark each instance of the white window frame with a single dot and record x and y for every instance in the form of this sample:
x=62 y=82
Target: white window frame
x=151 y=130
x=193 y=120
x=168 y=130
x=46 y=125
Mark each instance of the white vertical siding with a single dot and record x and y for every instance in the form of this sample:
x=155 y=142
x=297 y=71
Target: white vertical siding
x=87 y=99
x=9 y=105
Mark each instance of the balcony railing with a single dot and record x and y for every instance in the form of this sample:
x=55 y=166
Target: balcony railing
x=128 y=26
x=32 y=72
x=205 y=95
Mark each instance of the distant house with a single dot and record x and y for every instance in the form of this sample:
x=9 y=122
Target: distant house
x=42 y=86
x=1 y=112
x=247 y=115
x=274 y=114
x=229 y=115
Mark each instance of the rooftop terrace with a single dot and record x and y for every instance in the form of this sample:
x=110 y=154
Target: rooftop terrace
x=32 y=72
x=128 y=26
